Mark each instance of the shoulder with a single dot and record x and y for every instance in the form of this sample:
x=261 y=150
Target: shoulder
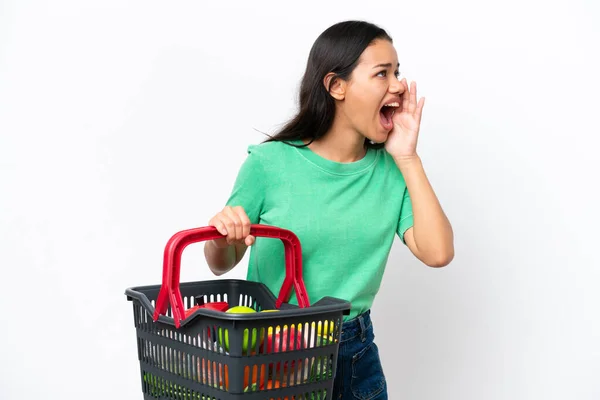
x=387 y=165
x=269 y=149
x=269 y=154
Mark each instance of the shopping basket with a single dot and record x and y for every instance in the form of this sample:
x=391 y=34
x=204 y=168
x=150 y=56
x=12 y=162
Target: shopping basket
x=234 y=339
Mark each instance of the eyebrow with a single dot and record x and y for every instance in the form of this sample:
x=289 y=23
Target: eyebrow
x=386 y=65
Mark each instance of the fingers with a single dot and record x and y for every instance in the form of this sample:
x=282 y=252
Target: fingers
x=420 y=109
x=220 y=225
x=234 y=225
x=244 y=219
x=405 y=96
x=217 y=223
x=409 y=100
x=233 y=222
x=249 y=241
x=413 y=96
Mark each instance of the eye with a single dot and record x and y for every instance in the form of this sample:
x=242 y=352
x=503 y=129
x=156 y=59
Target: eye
x=397 y=73
x=383 y=73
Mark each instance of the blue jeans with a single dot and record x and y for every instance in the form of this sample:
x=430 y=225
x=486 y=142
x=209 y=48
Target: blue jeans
x=359 y=375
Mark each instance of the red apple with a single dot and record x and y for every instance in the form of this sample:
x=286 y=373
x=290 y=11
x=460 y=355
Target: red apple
x=286 y=339
x=281 y=340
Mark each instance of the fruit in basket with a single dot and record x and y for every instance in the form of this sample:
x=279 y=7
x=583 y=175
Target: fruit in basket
x=157 y=386
x=255 y=376
x=280 y=340
x=223 y=337
x=319 y=334
x=213 y=374
x=268 y=385
x=240 y=310
x=216 y=305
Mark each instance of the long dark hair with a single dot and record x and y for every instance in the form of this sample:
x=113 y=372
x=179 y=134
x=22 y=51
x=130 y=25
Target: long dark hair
x=336 y=50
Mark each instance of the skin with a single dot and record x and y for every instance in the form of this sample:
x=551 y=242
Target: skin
x=373 y=83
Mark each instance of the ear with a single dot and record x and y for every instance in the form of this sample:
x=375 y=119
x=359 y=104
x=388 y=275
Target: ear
x=335 y=86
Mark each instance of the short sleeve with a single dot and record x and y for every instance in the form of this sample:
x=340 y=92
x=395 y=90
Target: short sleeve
x=249 y=188
x=405 y=221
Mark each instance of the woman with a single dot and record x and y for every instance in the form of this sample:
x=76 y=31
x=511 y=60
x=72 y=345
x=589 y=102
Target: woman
x=344 y=175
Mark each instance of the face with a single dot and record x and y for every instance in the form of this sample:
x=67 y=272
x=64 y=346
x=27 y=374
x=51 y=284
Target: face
x=372 y=93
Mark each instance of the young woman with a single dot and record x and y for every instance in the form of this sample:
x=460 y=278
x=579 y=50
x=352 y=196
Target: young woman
x=344 y=175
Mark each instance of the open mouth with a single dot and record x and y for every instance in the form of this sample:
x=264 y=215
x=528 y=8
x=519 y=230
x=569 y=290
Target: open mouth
x=386 y=113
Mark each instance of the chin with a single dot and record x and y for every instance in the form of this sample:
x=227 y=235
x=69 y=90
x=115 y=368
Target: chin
x=377 y=134
x=379 y=137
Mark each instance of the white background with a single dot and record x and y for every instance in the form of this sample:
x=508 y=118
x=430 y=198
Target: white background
x=123 y=122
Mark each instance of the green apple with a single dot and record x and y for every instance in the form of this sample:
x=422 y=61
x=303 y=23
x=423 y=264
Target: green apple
x=240 y=310
x=221 y=336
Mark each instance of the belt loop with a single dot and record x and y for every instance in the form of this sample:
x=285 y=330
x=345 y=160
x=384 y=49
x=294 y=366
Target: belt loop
x=363 y=330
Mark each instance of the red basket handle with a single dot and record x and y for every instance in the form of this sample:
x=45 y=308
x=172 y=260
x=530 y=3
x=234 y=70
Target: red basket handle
x=170 y=293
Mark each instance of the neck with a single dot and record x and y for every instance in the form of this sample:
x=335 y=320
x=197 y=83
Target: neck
x=341 y=144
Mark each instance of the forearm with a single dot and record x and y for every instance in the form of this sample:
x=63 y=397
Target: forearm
x=432 y=232
x=222 y=259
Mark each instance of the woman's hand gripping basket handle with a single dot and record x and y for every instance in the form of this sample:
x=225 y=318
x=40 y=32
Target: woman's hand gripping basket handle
x=170 y=293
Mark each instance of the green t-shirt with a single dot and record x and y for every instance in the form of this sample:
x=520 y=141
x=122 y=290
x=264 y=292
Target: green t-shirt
x=344 y=214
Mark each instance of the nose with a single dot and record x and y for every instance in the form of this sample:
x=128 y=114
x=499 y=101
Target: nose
x=395 y=86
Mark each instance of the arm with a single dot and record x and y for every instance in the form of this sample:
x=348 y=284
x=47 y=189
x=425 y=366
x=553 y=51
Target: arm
x=430 y=239
x=225 y=253
x=242 y=209
x=222 y=259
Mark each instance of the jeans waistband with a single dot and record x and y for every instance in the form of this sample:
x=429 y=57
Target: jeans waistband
x=357 y=326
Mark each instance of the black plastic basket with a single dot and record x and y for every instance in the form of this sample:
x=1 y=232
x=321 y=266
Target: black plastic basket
x=190 y=349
